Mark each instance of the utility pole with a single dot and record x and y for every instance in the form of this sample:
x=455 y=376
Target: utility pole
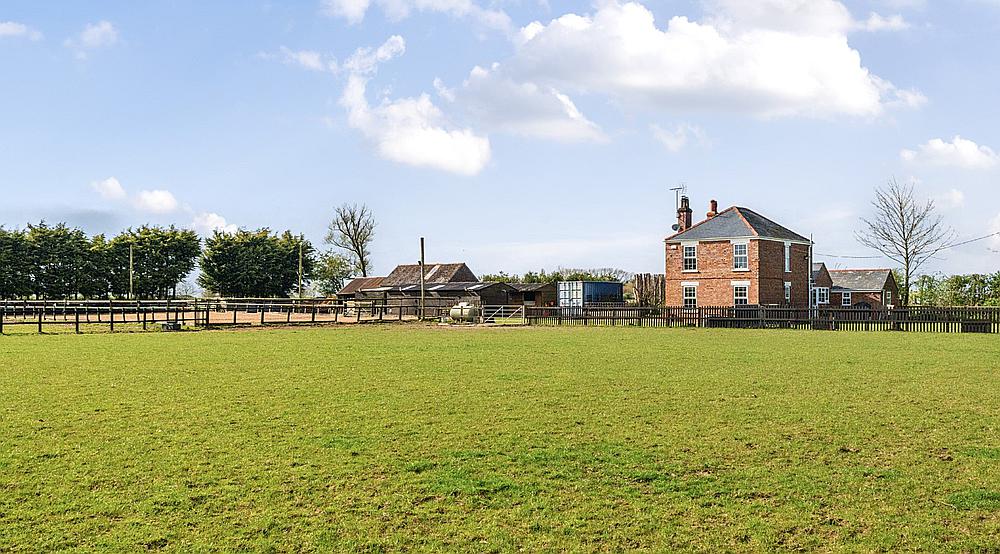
x=302 y=238
x=131 y=273
x=422 y=297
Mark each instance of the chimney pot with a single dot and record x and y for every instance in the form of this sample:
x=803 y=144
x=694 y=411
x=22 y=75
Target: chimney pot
x=684 y=215
x=713 y=209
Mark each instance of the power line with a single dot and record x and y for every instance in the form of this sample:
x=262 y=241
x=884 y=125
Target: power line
x=950 y=246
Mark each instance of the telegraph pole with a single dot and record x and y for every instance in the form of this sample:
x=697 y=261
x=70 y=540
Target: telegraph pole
x=131 y=273
x=422 y=293
x=301 y=239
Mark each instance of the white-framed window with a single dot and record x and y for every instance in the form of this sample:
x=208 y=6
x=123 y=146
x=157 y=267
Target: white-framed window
x=887 y=296
x=690 y=257
x=821 y=295
x=788 y=257
x=741 y=295
x=788 y=292
x=690 y=296
x=741 y=260
x=845 y=298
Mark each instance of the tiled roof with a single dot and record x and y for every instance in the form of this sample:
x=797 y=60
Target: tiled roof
x=737 y=222
x=860 y=279
x=433 y=273
x=360 y=283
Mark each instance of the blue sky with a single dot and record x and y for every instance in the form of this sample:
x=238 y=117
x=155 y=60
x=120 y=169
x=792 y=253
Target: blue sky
x=514 y=135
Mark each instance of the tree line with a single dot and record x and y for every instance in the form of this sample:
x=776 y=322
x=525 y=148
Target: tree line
x=561 y=274
x=957 y=290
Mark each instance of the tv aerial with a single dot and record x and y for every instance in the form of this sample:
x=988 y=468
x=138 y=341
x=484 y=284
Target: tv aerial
x=679 y=190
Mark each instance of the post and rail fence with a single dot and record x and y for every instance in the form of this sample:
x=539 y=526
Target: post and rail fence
x=928 y=319
x=110 y=315
x=122 y=315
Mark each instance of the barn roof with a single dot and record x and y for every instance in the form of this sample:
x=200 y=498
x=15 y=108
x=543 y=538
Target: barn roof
x=737 y=222
x=433 y=273
x=360 y=283
x=414 y=288
x=531 y=287
x=860 y=279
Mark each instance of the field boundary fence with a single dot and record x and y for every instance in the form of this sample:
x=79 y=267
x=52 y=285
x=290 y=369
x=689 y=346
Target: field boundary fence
x=928 y=319
x=79 y=316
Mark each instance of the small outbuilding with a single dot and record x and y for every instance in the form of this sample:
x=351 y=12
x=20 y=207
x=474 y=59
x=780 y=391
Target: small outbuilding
x=864 y=288
x=534 y=294
x=576 y=294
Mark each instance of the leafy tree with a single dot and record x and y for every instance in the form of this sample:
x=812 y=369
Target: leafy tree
x=255 y=263
x=15 y=266
x=332 y=270
x=58 y=260
x=95 y=281
x=161 y=258
x=601 y=274
x=353 y=230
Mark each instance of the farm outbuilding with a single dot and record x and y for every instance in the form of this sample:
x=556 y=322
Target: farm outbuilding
x=352 y=289
x=534 y=294
x=484 y=294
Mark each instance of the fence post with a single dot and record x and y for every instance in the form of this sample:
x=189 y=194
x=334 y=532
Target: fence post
x=76 y=319
x=112 y=312
x=41 y=313
x=234 y=313
x=143 y=318
x=314 y=313
x=4 y=311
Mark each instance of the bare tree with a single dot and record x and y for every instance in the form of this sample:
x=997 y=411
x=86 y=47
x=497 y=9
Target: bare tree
x=353 y=229
x=904 y=230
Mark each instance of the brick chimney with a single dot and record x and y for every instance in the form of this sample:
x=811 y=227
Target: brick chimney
x=684 y=215
x=713 y=209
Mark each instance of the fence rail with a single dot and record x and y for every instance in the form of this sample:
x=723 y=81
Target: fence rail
x=916 y=318
x=82 y=316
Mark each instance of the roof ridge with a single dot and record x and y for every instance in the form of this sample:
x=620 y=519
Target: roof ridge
x=743 y=217
x=702 y=222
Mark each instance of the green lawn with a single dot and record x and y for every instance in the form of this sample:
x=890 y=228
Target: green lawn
x=408 y=437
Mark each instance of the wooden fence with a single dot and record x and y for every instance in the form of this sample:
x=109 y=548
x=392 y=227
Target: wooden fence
x=84 y=316
x=916 y=318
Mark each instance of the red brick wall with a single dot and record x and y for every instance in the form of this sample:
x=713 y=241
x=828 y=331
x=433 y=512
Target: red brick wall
x=715 y=273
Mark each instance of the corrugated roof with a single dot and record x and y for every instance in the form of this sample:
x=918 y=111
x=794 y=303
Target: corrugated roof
x=360 y=283
x=737 y=222
x=472 y=286
x=433 y=274
x=860 y=279
x=531 y=287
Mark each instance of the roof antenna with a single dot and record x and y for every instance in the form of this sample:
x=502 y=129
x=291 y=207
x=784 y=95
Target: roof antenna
x=679 y=190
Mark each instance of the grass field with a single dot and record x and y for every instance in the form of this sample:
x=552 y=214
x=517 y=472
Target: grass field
x=406 y=437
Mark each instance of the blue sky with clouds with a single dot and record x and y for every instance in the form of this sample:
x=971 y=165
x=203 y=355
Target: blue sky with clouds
x=513 y=134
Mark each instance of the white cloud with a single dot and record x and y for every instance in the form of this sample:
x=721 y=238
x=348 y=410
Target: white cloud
x=675 y=140
x=411 y=131
x=768 y=58
x=365 y=60
x=208 y=222
x=94 y=36
x=959 y=152
x=876 y=22
x=155 y=201
x=499 y=103
x=14 y=29
x=354 y=10
x=308 y=59
x=952 y=198
x=109 y=189
x=443 y=91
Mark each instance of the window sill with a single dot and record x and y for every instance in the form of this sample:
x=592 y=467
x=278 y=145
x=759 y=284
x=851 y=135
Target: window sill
x=689 y=271
x=746 y=270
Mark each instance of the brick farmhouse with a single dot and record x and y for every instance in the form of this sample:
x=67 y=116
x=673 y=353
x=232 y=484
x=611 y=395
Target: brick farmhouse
x=739 y=257
x=735 y=257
